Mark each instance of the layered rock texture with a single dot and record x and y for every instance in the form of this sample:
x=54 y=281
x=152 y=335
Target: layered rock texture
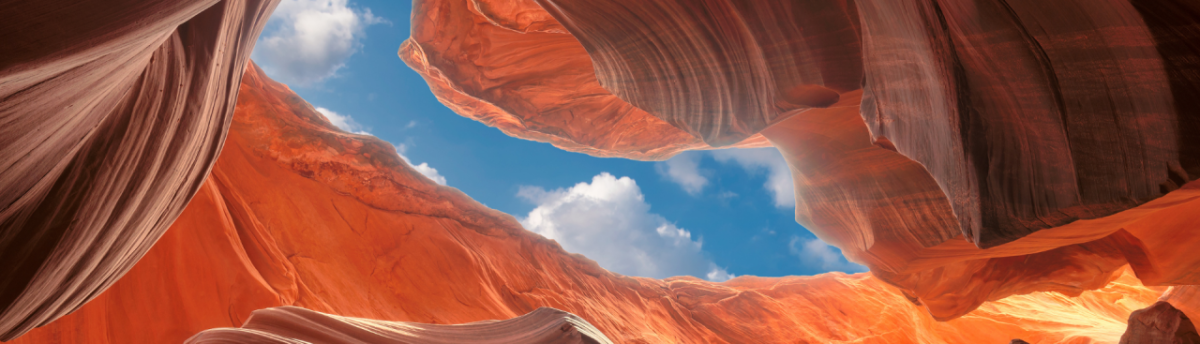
x=298 y=325
x=964 y=150
x=111 y=115
x=1010 y=170
x=298 y=213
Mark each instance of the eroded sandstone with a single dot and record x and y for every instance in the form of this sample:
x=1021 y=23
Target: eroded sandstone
x=298 y=213
x=112 y=114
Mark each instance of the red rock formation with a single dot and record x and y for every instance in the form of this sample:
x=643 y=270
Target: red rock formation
x=112 y=114
x=997 y=147
x=293 y=324
x=510 y=65
x=299 y=213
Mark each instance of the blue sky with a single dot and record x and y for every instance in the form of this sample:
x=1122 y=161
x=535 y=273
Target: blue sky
x=707 y=214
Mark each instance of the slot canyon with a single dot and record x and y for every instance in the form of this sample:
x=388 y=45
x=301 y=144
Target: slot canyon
x=1006 y=171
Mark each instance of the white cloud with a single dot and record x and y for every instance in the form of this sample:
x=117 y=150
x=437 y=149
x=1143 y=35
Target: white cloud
x=816 y=253
x=410 y=125
x=608 y=220
x=343 y=122
x=423 y=168
x=779 y=175
x=684 y=169
x=307 y=41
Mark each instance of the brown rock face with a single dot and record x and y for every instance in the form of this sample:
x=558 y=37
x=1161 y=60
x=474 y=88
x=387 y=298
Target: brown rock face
x=720 y=70
x=1032 y=116
x=112 y=114
x=298 y=325
x=1160 y=323
x=995 y=147
x=297 y=213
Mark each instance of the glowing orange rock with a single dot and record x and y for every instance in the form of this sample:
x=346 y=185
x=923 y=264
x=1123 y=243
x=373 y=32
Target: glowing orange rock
x=298 y=213
x=992 y=149
x=510 y=65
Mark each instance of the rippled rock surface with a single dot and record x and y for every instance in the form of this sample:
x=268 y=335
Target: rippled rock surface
x=111 y=115
x=964 y=150
x=298 y=325
x=299 y=213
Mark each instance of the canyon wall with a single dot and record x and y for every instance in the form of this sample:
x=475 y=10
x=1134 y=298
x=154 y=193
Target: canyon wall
x=112 y=113
x=965 y=151
x=298 y=213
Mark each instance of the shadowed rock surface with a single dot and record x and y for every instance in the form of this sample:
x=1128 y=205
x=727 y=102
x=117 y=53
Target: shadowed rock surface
x=111 y=115
x=298 y=213
x=1160 y=323
x=298 y=325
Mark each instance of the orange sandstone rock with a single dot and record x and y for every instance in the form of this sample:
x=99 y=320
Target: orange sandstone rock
x=995 y=147
x=298 y=213
x=510 y=65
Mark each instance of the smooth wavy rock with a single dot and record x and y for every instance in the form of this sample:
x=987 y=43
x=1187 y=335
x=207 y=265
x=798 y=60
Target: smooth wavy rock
x=512 y=66
x=886 y=212
x=288 y=324
x=997 y=147
x=112 y=115
x=298 y=213
x=1186 y=299
x=720 y=70
x=1036 y=114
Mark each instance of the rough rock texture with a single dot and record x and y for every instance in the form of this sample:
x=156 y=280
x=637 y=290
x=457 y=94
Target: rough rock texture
x=1160 y=323
x=995 y=148
x=298 y=325
x=1187 y=300
x=298 y=213
x=510 y=65
x=111 y=115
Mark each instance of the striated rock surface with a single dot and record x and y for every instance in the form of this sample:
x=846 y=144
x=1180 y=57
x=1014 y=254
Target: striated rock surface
x=964 y=150
x=720 y=70
x=510 y=65
x=298 y=213
x=111 y=115
x=298 y=325
x=1030 y=117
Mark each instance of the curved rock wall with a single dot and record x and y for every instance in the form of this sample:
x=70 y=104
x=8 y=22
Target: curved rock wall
x=967 y=151
x=113 y=112
x=510 y=65
x=299 y=213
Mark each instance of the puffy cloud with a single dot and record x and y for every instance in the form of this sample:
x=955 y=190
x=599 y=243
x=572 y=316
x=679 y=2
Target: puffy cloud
x=817 y=254
x=423 y=168
x=779 y=175
x=343 y=122
x=684 y=169
x=307 y=41
x=608 y=220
